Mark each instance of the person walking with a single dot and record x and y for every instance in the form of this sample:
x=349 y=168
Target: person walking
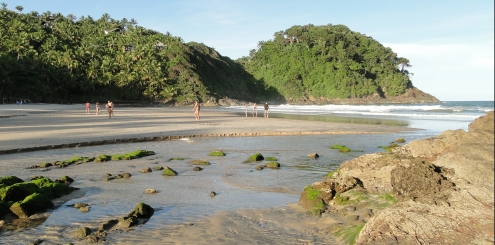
x=196 y=109
x=87 y=107
x=98 y=108
x=266 y=110
x=109 y=107
x=255 y=112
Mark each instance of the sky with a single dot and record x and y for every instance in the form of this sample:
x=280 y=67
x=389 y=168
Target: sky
x=449 y=43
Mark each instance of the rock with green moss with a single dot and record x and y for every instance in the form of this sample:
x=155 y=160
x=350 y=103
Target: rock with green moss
x=341 y=148
x=217 y=153
x=400 y=140
x=273 y=165
x=271 y=159
x=169 y=172
x=103 y=158
x=199 y=162
x=32 y=204
x=311 y=200
x=82 y=232
x=10 y=180
x=66 y=180
x=132 y=155
x=17 y=192
x=142 y=210
x=255 y=158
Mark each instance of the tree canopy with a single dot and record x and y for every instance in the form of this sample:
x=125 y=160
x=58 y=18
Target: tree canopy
x=49 y=57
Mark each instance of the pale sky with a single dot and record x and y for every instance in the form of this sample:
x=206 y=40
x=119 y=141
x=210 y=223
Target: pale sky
x=450 y=43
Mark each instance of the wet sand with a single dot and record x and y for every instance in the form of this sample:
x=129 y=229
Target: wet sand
x=271 y=221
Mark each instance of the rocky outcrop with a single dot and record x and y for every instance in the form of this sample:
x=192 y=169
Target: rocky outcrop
x=444 y=187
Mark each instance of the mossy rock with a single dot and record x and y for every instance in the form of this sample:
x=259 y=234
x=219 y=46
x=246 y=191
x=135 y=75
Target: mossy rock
x=217 y=153
x=10 y=180
x=389 y=147
x=341 y=148
x=169 y=172
x=271 y=159
x=4 y=209
x=142 y=210
x=199 y=162
x=127 y=222
x=158 y=168
x=330 y=174
x=256 y=157
x=52 y=189
x=82 y=232
x=44 y=165
x=32 y=204
x=103 y=158
x=132 y=155
x=78 y=160
x=177 y=159
x=347 y=233
x=17 y=192
x=273 y=165
x=66 y=179
x=400 y=140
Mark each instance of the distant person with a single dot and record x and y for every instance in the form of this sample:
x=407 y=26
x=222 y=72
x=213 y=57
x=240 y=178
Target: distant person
x=109 y=107
x=196 y=109
x=266 y=110
x=98 y=108
x=87 y=107
x=113 y=108
x=246 y=110
x=255 y=112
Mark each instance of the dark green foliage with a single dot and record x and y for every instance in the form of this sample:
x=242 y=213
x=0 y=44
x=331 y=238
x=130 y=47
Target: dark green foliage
x=328 y=61
x=52 y=58
x=10 y=180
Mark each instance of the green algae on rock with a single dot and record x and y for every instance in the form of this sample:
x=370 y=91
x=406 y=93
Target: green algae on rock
x=217 y=153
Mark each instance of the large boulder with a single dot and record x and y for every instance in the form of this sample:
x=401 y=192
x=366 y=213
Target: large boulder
x=444 y=188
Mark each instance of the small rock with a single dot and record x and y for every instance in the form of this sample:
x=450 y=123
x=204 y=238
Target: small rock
x=212 y=194
x=198 y=168
x=146 y=170
x=150 y=191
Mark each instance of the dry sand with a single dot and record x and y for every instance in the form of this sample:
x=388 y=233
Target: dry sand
x=34 y=125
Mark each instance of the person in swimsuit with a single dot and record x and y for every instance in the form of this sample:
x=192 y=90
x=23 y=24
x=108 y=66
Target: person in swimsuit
x=109 y=109
x=196 y=110
x=97 y=108
x=255 y=112
x=266 y=110
x=87 y=107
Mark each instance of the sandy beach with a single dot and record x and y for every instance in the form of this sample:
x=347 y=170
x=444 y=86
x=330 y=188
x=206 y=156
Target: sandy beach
x=251 y=208
x=55 y=126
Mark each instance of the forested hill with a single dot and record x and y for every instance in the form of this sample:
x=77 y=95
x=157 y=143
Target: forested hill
x=49 y=57
x=321 y=62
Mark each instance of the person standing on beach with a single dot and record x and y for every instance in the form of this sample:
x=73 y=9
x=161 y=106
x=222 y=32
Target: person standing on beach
x=255 y=112
x=87 y=107
x=266 y=110
x=109 y=107
x=98 y=108
x=196 y=110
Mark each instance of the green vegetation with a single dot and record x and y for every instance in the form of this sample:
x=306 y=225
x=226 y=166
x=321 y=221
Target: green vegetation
x=328 y=61
x=49 y=57
x=217 y=153
x=330 y=174
x=271 y=159
x=103 y=158
x=349 y=233
x=311 y=193
x=351 y=197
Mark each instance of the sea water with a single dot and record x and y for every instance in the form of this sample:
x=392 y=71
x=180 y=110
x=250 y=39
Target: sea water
x=185 y=198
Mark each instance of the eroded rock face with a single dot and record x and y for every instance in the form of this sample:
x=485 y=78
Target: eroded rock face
x=444 y=187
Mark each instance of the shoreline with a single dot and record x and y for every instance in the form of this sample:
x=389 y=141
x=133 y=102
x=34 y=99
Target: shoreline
x=31 y=127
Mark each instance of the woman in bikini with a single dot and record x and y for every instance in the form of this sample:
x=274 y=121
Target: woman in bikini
x=97 y=108
x=87 y=107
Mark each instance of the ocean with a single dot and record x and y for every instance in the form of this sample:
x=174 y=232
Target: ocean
x=432 y=118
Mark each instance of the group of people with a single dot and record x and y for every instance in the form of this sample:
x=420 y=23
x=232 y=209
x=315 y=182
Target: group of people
x=108 y=107
x=255 y=111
